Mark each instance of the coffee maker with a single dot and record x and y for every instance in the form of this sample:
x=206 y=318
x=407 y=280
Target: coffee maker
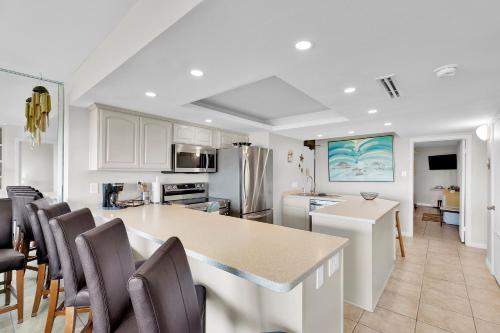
x=110 y=195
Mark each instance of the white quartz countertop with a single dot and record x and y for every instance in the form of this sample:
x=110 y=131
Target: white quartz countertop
x=272 y=256
x=354 y=207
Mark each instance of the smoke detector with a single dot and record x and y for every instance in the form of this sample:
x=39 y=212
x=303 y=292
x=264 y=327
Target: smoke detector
x=446 y=70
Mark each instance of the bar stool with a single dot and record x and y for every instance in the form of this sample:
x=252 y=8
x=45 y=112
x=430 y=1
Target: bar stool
x=400 y=236
x=107 y=262
x=10 y=260
x=54 y=271
x=76 y=295
x=41 y=254
x=163 y=294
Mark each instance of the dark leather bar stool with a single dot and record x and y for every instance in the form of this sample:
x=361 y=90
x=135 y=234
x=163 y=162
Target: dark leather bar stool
x=55 y=271
x=41 y=255
x=107 y=262
x=76 y=295
x=163 y=294
x=10 y=260
x=25 y=235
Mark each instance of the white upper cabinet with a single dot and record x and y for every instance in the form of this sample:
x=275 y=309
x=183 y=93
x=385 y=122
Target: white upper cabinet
x=226 y=139
x=156 y=144
x=192 y=135
x=118 y=140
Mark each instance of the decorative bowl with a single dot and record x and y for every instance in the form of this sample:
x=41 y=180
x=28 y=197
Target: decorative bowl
x=369 y=195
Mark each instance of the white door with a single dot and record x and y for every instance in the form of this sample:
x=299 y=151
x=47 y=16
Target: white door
x=120 y=140
x=495 y=168
x=156 y=144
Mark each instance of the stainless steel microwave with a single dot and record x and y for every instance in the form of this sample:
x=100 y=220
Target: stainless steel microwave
x=194 y=159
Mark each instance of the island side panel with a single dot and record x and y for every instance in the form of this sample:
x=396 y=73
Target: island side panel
x=357 y=256
x=384 y=245
x=323 y=307
x=235 y=305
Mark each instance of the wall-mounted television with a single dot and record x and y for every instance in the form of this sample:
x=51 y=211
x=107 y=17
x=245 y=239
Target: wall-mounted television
x=443 y=162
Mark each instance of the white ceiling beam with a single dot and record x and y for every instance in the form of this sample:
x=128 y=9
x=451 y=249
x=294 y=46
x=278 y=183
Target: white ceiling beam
x=144 y=22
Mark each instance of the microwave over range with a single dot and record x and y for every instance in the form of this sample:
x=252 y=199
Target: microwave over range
x=193 y=159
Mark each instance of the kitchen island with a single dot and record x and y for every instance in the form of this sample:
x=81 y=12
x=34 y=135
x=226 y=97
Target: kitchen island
x=369 y=258
x=259 y=277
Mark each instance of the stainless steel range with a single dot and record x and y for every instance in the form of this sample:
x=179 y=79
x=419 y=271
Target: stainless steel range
x=193 y=196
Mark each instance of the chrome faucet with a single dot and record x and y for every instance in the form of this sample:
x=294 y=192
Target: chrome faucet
x=313 y=184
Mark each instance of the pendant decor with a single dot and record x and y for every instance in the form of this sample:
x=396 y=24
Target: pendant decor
x=37 y=111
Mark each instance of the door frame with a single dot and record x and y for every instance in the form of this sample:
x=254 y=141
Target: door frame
x=490 y=260
x=465 y=207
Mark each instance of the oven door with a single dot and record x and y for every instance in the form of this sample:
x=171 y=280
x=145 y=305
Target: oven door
x=265 y=216
x=192 y=158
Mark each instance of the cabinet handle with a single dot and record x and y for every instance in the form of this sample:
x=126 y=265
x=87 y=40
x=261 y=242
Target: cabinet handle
x=492 y=207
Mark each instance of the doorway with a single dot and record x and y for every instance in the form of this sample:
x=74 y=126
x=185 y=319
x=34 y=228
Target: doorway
x=438 y=184
x=439 y=180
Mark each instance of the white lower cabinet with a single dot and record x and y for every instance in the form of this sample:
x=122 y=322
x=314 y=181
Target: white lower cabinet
x=296 y=213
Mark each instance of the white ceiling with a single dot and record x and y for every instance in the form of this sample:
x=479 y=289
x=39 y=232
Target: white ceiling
x=53 y=37
x=237 y=43
x=264 y=100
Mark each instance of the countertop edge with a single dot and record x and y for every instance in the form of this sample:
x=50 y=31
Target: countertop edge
x=274 y=286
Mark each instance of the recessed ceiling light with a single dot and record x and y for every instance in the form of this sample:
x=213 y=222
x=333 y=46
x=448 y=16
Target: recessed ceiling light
x=196 y=72
x=387 y=124
x=208 y=120
x=303 y=45
x=372 y=111
x=320 y=135
x=150 y=94
x=351 y=132
x=349 y=90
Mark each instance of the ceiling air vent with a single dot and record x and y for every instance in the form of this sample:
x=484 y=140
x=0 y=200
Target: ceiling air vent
x=389 y=85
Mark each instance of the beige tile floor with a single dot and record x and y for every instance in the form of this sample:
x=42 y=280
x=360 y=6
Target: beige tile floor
x=8 y=321
x=440 y=286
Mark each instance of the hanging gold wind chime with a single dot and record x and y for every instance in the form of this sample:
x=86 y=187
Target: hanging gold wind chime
x=37 y=111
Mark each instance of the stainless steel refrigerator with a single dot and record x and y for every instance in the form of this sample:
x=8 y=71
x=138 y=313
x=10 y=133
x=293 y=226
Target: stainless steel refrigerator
x=245 y=176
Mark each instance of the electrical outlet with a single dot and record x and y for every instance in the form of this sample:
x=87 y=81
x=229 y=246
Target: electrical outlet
x=320 y=276
x=295 y=184
x=404 y=173
x=333 y=265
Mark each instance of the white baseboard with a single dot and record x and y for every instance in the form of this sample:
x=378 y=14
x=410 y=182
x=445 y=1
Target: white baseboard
x=478 y=245
x=424 y=204
x=488 y=264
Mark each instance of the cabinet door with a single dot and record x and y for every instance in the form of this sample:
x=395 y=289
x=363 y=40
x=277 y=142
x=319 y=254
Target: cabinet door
x=227 y=139
x=156 y=144
x=203 y=137
x=119 y=140
x=184 y=134
x=295 y=217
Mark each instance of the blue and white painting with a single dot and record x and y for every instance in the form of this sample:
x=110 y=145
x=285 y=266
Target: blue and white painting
x=361 y=160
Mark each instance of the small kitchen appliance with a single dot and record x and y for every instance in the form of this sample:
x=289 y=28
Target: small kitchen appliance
x=110 y=195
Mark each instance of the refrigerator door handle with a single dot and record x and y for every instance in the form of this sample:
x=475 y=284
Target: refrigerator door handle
x=245 y=180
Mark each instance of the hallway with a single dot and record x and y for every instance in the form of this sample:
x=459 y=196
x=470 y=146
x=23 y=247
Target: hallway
x=440 y=286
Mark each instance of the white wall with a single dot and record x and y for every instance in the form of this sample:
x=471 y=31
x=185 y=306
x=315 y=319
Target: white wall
x=286 y=176
x=10 y=135
x=397 y=190
x=479 y=198
x=79 y=177
x=37 y=166
x=425 y=179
